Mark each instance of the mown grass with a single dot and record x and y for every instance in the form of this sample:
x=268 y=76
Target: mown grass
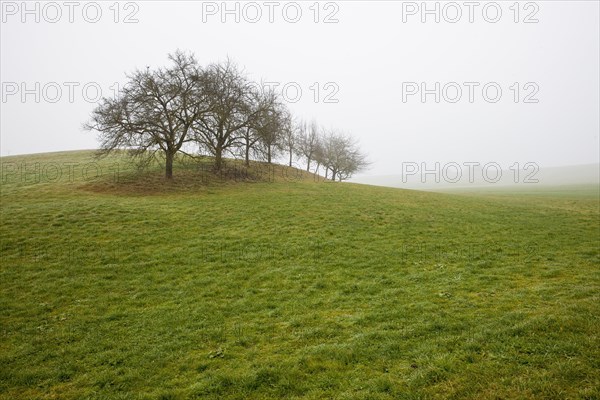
x=277 y=287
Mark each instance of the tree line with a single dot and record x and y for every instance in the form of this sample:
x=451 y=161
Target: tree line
x=218 y=111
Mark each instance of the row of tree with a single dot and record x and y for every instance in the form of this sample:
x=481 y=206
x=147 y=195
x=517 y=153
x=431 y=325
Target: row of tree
x=337 y=153
x=216 y=110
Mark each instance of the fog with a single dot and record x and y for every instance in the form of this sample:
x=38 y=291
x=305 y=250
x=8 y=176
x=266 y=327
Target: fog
x=518 y=84
x=529 y=176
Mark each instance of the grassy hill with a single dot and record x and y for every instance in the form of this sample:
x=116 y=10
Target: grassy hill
x=277 y=285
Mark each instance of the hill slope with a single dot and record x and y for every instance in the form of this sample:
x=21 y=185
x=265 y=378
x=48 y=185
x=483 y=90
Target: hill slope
x=291 y=288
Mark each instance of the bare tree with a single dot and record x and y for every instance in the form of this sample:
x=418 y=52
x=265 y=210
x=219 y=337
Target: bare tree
x=354 y=161
x=319 y=155
x=340 y=155
x=308 y=142
x=230 y=96
x=264 y=102
x=270 y=127
x=154 y=112
x=289 y=137
x=248 y=139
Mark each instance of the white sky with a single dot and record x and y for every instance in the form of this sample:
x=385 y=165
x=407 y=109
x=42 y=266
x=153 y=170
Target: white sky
x=368 y=55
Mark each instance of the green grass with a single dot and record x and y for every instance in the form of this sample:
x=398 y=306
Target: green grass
x=272 y=287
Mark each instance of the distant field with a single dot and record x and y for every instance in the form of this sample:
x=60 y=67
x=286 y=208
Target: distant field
x=270 y=283
x=519 y=193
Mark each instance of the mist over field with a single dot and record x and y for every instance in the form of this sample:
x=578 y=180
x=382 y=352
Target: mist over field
x=489 y=176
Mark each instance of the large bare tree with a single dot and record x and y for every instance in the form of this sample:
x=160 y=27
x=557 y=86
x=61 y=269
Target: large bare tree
x=154 y=112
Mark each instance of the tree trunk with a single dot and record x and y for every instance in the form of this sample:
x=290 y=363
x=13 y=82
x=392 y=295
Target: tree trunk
x=269 y=154
x=169 y=165
x=291 y=157
x=333 y=171
x=308 y=166
x=247 y=140
x=218 y=158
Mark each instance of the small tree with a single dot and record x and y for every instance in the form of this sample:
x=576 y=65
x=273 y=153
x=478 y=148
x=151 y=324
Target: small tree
x=289 y=137
x=319 y=154
x=308 y=142
x=341 y=156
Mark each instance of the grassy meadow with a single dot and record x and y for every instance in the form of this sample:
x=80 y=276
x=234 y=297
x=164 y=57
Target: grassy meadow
x=271 y=283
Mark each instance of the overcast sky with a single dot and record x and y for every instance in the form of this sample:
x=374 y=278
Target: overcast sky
x=360 y=67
